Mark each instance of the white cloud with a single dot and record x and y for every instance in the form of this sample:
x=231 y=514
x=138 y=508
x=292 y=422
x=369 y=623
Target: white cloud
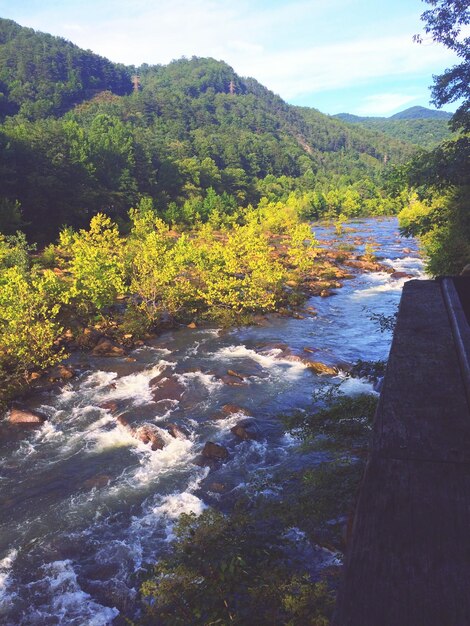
x=346 y=64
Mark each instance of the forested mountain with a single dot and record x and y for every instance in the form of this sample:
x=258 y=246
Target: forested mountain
x=418 y=125
x=42 y=75
x=422 y=113
x=76 y=139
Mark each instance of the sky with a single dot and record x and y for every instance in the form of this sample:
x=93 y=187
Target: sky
x=355 y=56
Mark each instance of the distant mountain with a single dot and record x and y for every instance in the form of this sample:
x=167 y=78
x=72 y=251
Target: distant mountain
x=412 y=113
x=421 y=113
x=420 y=126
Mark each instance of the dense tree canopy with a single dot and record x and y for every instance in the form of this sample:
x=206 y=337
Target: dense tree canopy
x=440 y=214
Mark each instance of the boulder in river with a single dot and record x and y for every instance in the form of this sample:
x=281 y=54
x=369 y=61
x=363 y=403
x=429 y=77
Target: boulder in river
x=149 y=434
x=176 y=432
x=246 y=429
x=232 y=381
x=235 y=374
x=109 y=405
x=398 y=275
x=61 y=372
x=321 y=368
x=25 y=417
x=215 y=451
x=107 y=348
x=212 y=455
x=168 y=389
x=230 y=409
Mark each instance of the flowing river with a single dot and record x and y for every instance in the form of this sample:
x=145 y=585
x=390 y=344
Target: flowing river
x=85 y=506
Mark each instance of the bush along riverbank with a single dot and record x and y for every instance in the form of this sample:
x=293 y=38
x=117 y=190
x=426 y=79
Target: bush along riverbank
x=273 y=556
x=100 y=291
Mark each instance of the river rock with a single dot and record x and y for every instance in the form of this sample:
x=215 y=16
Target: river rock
x=176 y=432
x=154 y=382
x=149 y=434
x=235 y=374
x=107 y=348
x=215 y=451
x=231 y=409
x=25 y=416
x=321 y=368
x=61 y=372
x=124 y=422
x=88 y=339
x=217 y=487
x=192 y=325
x=109 y=405
x=168 y=389
x=397 y=275
x=246 y=429
x=232 y=381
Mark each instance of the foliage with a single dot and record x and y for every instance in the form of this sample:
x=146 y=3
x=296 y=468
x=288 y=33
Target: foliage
x=239 y=273
x=443 y=227
x=161 y=267
x=228 y=568
x=445 y=22
x=28 y=324
x=41 y=74
x=95 y=263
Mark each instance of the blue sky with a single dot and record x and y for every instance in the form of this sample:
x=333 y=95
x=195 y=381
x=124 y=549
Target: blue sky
x=353 y=56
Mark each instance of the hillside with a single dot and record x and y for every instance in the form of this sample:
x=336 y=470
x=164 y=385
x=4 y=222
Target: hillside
x=42 y=75
x=421 y=113
x=77 y=140
x=420 y=126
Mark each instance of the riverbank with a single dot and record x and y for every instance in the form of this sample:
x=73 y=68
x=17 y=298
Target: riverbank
x=123 y=326
x=90 y=507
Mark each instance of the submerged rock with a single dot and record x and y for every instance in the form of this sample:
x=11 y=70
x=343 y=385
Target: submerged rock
x=101 y=480
x=246 y=429
x=212 y=454
x=176 y=432
x=231 y=409
x=215 y=451
x=168 y=389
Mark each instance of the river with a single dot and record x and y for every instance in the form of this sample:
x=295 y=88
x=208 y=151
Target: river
x=84 y=505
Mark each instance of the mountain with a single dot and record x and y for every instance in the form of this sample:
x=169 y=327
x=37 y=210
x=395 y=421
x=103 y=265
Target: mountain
x=420 y=126
x=77 y=139
x=421 y=113
x=42 y=75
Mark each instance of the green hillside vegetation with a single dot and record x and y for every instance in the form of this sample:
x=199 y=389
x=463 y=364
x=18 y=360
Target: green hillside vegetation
x=422 y=127
x=43 y=75
x=439 y=212
x=182 y=134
